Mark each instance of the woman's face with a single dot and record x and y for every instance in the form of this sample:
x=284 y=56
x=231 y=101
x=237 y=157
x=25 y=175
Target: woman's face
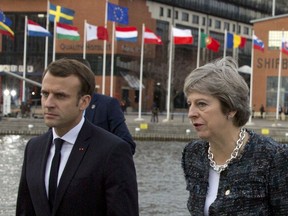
x=206 y=115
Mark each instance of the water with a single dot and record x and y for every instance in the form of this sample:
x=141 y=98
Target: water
x=160 y=179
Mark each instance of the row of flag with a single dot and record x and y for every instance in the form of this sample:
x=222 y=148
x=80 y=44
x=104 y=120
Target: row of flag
x=64 y=30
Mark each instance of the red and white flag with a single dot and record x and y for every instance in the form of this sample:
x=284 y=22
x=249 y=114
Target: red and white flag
x=182 y=36
x=151 y=38
x=284 y=47
x=96 y=32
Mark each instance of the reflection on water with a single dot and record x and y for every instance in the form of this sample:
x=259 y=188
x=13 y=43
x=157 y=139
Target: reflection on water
x=160 y=179
x=11 y=156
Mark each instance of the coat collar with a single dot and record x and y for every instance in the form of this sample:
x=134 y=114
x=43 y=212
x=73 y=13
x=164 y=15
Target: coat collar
x=79 y=149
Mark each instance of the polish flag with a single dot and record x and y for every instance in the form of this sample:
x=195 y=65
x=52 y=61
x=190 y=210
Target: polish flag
x=151 y=38
x=182 y=36
x=96 y=32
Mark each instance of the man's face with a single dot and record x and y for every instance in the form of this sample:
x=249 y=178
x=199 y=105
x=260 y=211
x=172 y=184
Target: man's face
x=62 y=106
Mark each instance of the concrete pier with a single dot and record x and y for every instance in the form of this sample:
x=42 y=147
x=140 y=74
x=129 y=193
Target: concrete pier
x=176 y=129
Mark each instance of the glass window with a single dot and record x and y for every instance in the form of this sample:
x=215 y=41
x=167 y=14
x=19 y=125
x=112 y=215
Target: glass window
x=169 y=13
x=275 y=39
x=185 y=17
x=195 y=19
x=239 y=29
x=176 y=15
x=271 y=92
x=161 y=12
x=233 y=28
x=246 y=30
x=209 y=22
x=203 y=21
x=217 y=24
x=227 y=26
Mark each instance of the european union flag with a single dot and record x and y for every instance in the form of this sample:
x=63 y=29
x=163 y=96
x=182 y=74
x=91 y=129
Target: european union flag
x=4 y=19
x=61 y=14
x=117 y=13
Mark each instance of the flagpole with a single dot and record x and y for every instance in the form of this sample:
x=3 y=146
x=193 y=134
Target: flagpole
x=198 y=49
x=24 y=61
x=279 y=77
x=46 y=38
x=169 y=76
x=251 y=80
x=54 y=40
x=104 y=53
x=112 y=60
x=273 y=8
x=85 y=39
x=225 y=43
x=141 y=76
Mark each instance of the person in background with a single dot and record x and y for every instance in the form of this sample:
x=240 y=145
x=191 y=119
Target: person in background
x=154 y=112
x=75 y=168
x=123 y=106
x=106 y=112
x=230 y=170
x=262 y=111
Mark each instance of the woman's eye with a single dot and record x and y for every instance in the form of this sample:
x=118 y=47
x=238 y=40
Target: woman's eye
x=201 y=105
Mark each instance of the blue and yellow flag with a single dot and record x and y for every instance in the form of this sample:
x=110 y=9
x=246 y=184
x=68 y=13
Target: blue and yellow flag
x=4 y=29
x=4 y=19
x=61 y=14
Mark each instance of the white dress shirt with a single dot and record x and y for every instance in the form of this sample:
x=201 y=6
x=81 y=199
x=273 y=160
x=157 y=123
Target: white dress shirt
x=214 y=178
x=69 y=140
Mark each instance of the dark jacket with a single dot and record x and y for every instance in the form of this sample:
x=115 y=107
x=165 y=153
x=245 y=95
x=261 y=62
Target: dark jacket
x=99 y=177
x=255 y=183
x=105 y=112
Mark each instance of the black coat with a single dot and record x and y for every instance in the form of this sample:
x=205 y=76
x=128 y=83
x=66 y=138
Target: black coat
x=98 y=179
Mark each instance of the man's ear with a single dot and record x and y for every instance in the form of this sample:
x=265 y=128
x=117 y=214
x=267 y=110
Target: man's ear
x=84 y=102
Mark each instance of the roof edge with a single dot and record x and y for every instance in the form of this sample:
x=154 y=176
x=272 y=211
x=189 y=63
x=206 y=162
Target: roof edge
x=268 y=18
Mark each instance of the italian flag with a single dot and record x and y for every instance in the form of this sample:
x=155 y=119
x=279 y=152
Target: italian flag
x=68 y=32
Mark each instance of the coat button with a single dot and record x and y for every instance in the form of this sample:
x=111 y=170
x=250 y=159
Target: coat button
x=227 y=192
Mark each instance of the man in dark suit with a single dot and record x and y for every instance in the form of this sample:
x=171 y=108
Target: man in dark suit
x=96 y=174
x=105 y=112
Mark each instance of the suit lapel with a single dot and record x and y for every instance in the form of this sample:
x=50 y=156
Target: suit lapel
x=43 y=154
x=79 y=149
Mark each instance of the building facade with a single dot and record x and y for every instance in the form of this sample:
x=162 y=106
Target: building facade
x=270 y=67
x=212 y=17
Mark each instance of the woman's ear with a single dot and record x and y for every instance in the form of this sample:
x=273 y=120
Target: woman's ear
x=231 y=114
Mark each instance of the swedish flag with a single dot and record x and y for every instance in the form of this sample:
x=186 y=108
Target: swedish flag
x=61 y=14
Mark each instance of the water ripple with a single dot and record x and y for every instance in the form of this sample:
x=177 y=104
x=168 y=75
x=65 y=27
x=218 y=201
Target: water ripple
x=161 y=183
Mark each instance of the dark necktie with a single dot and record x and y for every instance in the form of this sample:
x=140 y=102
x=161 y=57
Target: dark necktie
x=54 y=170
